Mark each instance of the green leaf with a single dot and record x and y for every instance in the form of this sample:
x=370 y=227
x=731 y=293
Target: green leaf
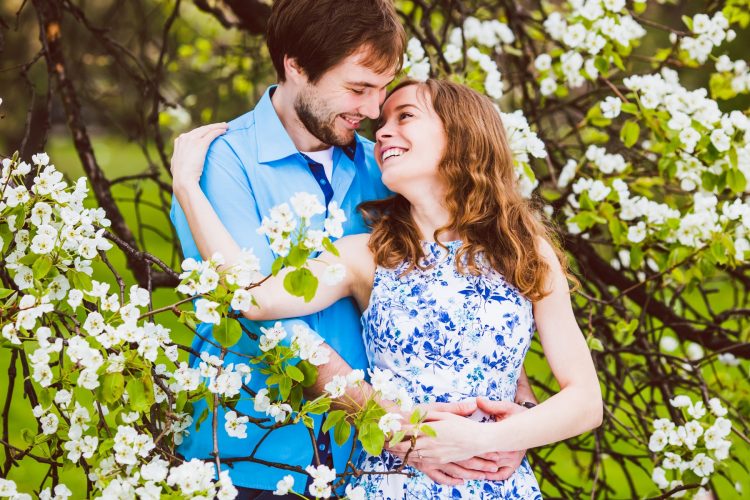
x=301 y=283
x=594 y=116
x=328 y=245
x=601 y=64
x=202 y=418
x=428 y=431
x=736 y=180
x=629 y=133
x=626 y=329
x=20 y=217
x=585 y=220
x=332 y=419
x=5 y=292
x=297 y=256
x=708 y=181
x=372 y=438
x=295 y=397
x=42 y=266
x=228 y=332
x=308 y=421
x=295 y=373
x=629 y=107
x=688 y=22
x=80 y=280
x=341 y=432
x=29 y=435
x=6 y=236
x=45 y=398
x=397 y=437
x=618 y=61
x=719 y=252
x=677 y=255
x=662 y=54
x=310 y=371
x=592 y=135
x=319 y=406
x=636 y=257
x=285 y=387
x=416 y=416
x=276 y=266
x=616 y=229
x=594 y=343
x=111 y=387
x=141 y=392
x=28 y=259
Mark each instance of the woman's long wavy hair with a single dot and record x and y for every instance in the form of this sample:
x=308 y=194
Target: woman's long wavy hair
x=487 y=210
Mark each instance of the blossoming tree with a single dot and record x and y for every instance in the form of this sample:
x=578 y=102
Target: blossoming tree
x=628 y=125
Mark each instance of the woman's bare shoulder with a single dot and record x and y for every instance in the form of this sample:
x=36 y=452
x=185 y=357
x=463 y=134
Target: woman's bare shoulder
x=355 y=251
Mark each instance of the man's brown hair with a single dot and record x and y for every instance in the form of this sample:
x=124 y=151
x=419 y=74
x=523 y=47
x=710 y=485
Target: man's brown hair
x=321 y=33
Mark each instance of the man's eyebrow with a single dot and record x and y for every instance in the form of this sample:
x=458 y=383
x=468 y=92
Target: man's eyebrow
x=362 y=84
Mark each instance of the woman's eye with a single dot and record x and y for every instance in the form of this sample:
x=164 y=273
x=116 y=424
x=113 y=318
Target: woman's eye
x=404 y=115
x=358 y=91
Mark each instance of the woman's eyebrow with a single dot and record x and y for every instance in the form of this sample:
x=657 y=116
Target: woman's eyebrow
x=406 y=105
x=381 y=119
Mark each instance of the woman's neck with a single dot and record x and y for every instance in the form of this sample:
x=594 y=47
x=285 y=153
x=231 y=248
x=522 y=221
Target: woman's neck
x=430 y=214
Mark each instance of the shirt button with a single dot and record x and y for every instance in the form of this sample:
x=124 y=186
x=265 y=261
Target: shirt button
x=322 y=447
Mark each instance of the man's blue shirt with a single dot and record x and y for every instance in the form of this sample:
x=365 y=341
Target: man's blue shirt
x=253 y=167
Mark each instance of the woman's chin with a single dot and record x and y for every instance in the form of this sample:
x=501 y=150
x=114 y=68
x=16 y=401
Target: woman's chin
x=392 y=182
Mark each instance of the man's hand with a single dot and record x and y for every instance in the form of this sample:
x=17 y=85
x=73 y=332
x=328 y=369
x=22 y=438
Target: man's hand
x=508 y=461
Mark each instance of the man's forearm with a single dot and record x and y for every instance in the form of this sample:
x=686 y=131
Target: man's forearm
x=338 y=366
x=524 y=392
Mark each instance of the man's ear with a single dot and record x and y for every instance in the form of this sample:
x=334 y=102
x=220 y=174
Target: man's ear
x=293 y=71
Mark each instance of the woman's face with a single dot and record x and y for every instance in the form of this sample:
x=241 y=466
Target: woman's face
x=410 y=141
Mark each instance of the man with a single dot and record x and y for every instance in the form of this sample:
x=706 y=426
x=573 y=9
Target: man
x=333 y=61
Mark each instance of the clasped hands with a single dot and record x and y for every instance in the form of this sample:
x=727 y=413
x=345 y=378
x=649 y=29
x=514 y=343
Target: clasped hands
x=446 y=460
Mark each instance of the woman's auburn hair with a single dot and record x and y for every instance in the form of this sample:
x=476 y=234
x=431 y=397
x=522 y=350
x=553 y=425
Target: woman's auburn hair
x=487 y=210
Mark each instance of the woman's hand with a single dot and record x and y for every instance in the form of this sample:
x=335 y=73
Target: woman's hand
x=189 y=154
x=458 y=438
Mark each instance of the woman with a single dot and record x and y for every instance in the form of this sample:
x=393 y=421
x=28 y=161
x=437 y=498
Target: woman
x=455 y=275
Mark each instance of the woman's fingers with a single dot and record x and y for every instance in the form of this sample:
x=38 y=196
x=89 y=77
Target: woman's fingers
x=442 y=478
x=458 y=472
x=203 y=130
x=479 y=464
x=209 y=136
x=502 y=474
x=465 y=407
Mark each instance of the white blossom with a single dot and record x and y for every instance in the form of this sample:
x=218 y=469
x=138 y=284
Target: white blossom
x=389 y=422
x=284 y=485
x=235 y=426
x=206 y=311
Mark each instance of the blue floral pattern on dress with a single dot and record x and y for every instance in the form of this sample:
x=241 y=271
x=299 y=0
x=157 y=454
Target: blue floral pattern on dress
x=447 y=337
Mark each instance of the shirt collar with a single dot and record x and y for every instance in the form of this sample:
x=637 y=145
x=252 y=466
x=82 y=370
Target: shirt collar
x=273 y=141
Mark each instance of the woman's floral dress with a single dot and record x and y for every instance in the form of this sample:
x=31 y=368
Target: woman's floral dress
x=447 y=337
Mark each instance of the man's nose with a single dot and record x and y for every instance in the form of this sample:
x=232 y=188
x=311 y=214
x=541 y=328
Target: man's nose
x=371 y=106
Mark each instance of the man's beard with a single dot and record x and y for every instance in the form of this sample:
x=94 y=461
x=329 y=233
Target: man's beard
x=319 y=121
